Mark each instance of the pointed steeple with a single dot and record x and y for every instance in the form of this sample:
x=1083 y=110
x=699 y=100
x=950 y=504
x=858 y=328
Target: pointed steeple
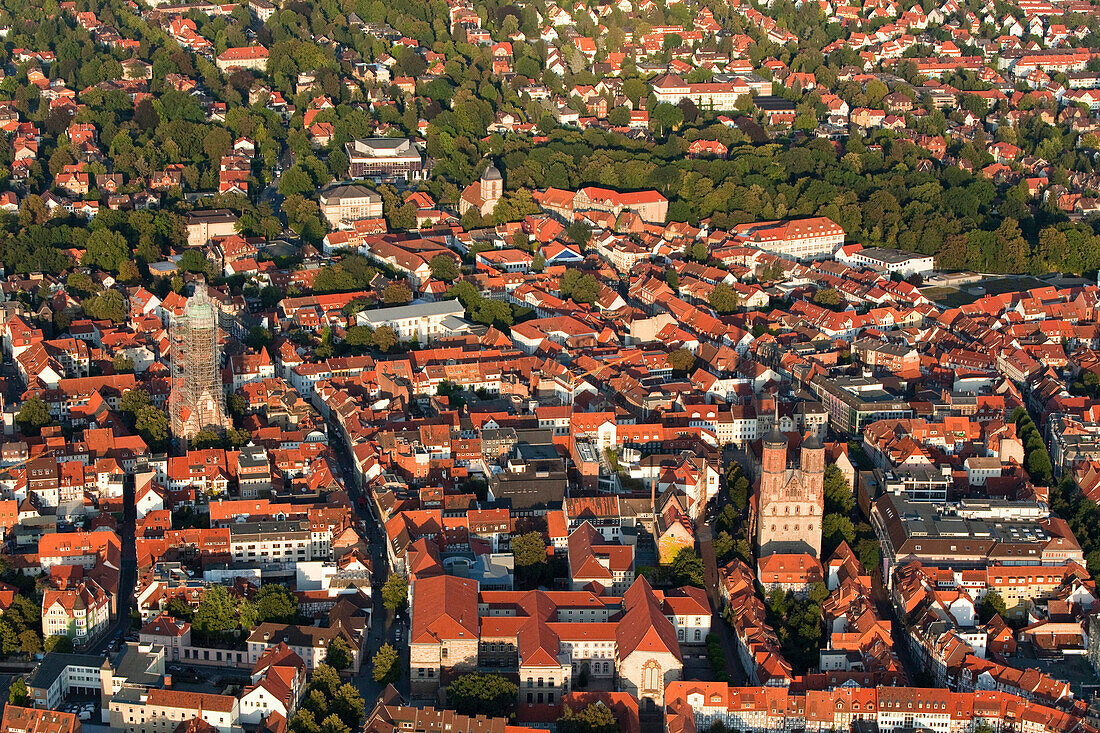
x=775 y=436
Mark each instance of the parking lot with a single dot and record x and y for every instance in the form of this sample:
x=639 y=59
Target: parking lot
x=85 y=709
x=191 y=678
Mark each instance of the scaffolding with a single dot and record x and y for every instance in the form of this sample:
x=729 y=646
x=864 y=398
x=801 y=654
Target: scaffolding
x=197 y=400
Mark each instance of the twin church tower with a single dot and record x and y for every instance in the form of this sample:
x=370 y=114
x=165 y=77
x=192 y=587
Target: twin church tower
x=790 y=502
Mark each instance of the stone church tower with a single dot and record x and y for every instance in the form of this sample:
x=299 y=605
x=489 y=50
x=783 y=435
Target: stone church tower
x=790 y=502
x=483 y=194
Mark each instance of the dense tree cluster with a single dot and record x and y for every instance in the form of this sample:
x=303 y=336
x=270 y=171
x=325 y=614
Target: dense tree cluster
x=797 y=623
x=222 y=617
x=328 y=706
x=1036 y=456
x=482 y=694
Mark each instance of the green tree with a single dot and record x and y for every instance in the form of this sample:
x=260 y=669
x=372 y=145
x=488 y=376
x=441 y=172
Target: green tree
x=339 y=654
x=593 y=718
x=836 y=528
x=275 y=604
x=333 y=724
x=123 y=364
x=106 y=250
x=325 y=680
x=619 y=117
x=177 y=607
x=397 y=293
x=579 y=232
x=33 y=416
x=257 y=338
x=666 y=118
x=152 y=425
x=206 y=439
x=385 y=666
x=486 y=694
x=687 y=569
x=17 y=693
x=348 y=705
x=723 y=299
x=681 y=360
x=384 y=338
x=992 y=604
x=217 y=612
x=29 y=642
x=107 y=306
x=395 y=592
x=827 y=297
x=723 y=546
x=869 y=553
x=303 y=721
x=57 y=643
x=738 y=487
x=443 y=268
x=838 y=495
x=133 y=400
x=529 y=549
x=529 y=552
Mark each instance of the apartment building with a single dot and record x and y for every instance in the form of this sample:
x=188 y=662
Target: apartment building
x=916 y=531
x=81 y=611
x=311 y=643
x=243 y=57
x=137 y=710
x=797 y=239
x=202 y=226
x=59 y=675
x=883 y=708
x=651 y=206
x=275 y=542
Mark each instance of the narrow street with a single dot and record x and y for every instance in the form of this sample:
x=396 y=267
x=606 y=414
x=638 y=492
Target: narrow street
x=718 y=624
x=127 y=576
x=382 y=622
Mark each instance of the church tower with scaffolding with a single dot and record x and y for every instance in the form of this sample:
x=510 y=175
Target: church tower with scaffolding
x=196 y=400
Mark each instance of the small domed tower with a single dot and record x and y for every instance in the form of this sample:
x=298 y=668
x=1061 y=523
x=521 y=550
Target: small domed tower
x=492 y=184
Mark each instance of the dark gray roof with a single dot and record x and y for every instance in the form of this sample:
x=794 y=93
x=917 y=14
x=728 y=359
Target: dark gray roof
x=339 y=192
x=211 y=215
x=54 y=663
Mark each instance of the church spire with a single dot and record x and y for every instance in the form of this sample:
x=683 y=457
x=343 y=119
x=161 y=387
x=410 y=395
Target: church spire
x=775 y=437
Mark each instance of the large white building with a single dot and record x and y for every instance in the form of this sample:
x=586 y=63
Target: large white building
x=886 y=260
x=814 y=238
x=283 y=542
x=342 y=204
x=421 y=321
x=718 y=96
x=385 y=159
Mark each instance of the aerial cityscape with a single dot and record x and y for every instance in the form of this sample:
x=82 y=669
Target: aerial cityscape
x=471 y=366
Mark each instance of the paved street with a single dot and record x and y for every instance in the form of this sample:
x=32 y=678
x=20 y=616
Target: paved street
x=718 y=625
x=127 y=574
x=382 y=622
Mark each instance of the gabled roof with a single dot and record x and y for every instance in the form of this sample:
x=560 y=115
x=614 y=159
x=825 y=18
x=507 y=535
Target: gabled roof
x=644 y=627
x=445 y=608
